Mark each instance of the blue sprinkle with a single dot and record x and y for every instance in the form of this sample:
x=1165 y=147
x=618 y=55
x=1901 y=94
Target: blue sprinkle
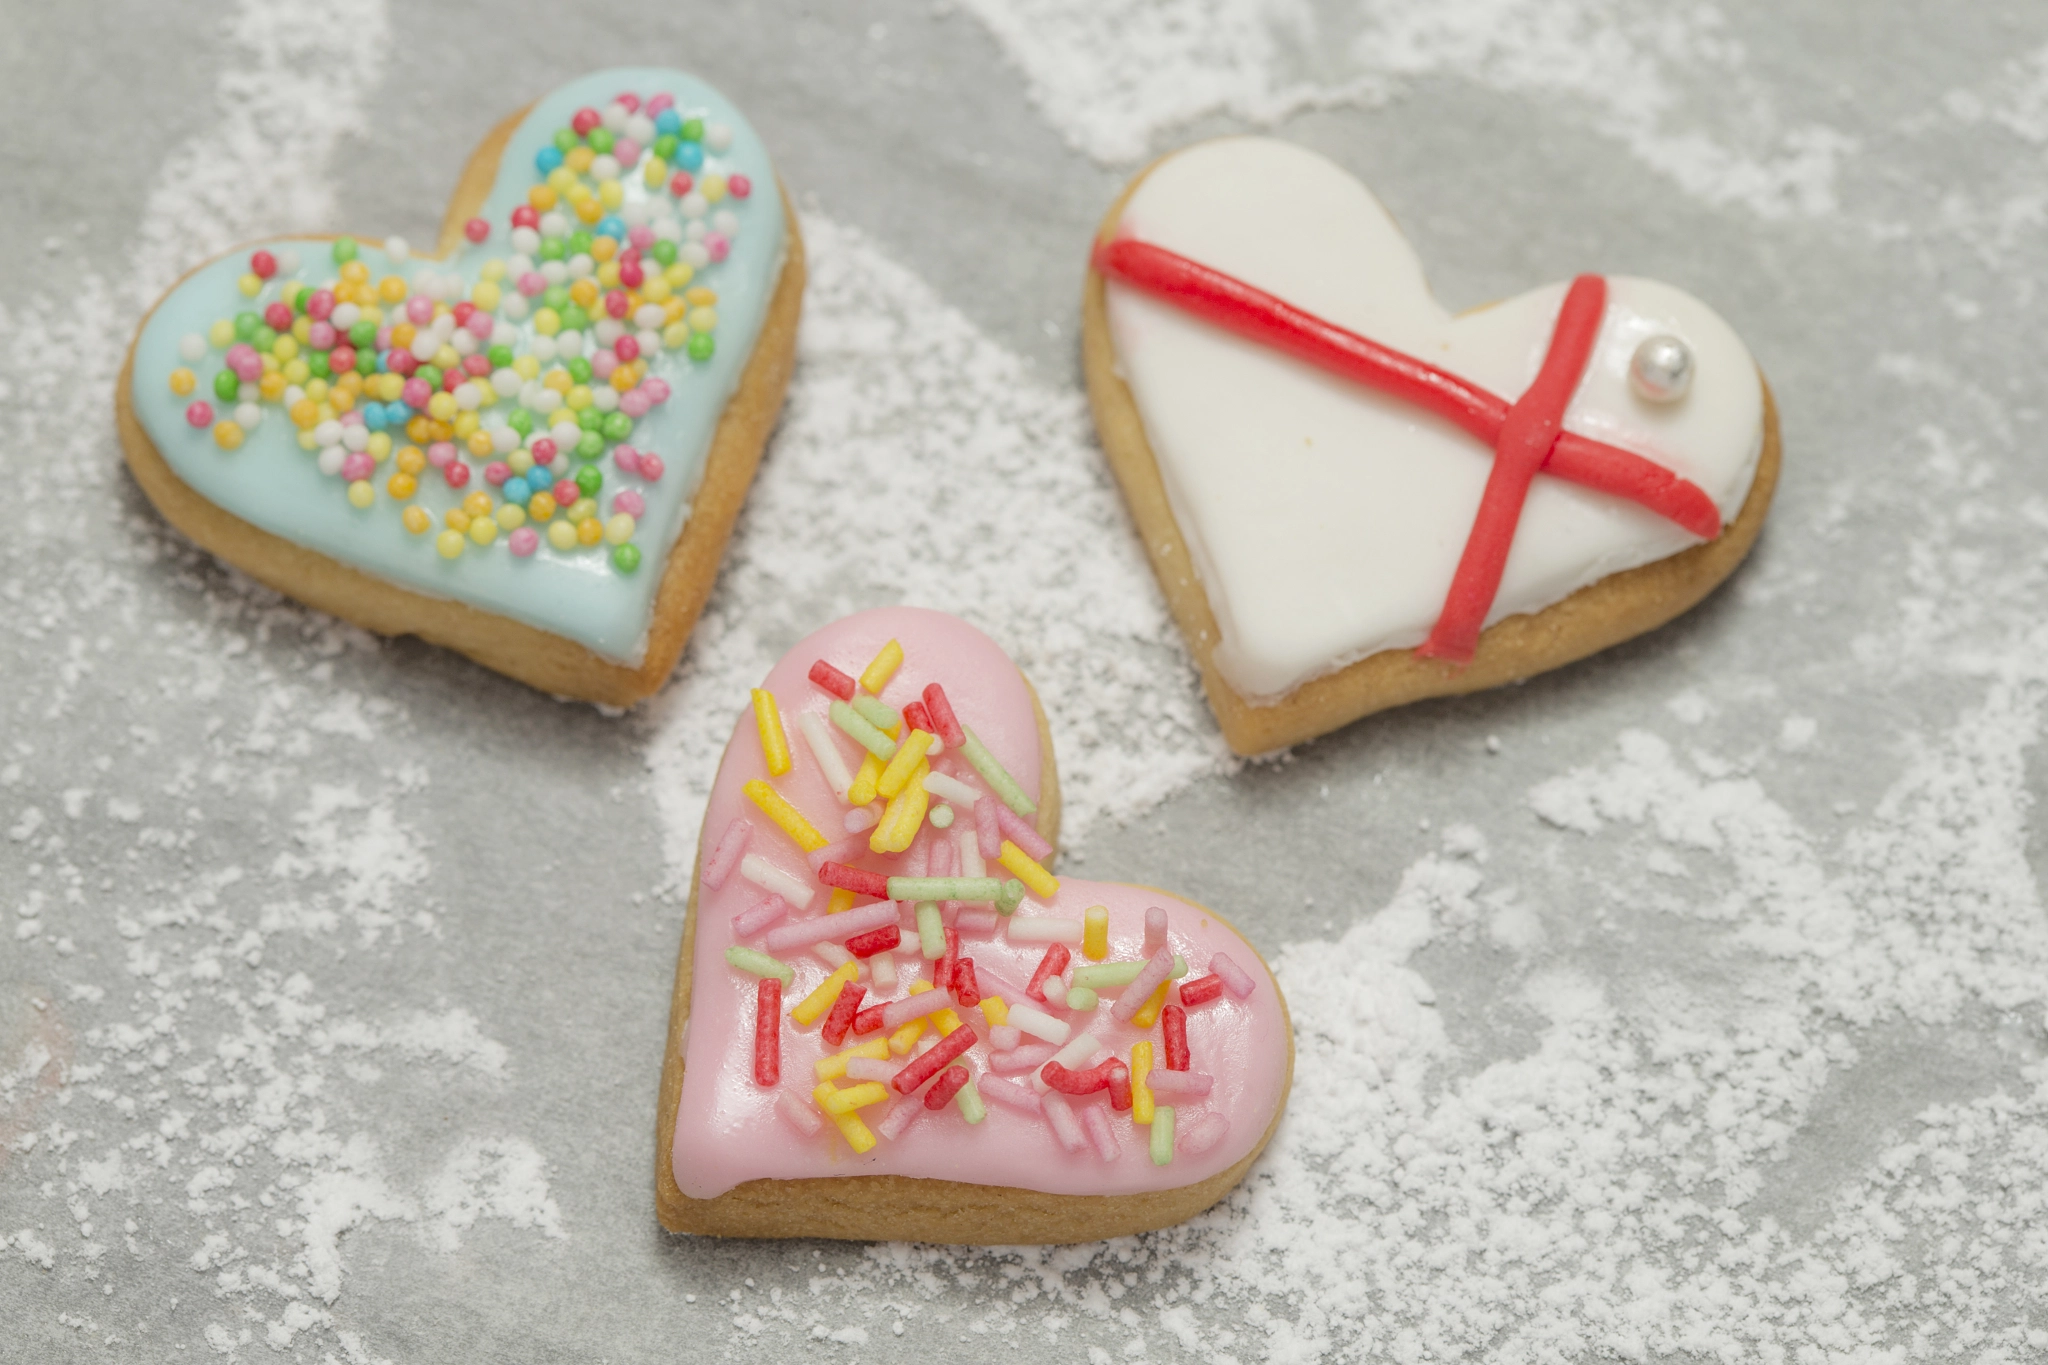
x=547 y=158
x=373 y=415
x=667 y=121
x=518 y=490
x=690 y=155
x=611 y=226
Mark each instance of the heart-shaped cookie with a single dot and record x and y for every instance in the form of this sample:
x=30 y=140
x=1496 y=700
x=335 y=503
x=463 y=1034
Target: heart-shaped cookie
x=531 y=449
x=1329 y=469
x=892 y=1021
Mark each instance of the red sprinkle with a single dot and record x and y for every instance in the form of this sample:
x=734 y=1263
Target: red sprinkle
x=858 y=880
x=965 y=989
x=832 y=680
x=922 y=1069
x=875 y=941
x=584 y=119
x=679 y=184
x=917 y=718
x=1119 y=1085
x=1173 y=1023
x=949 y=1084
x=942 y=716
x=1051 y=965
x=942 y=970
x=1069 y=1082
x=457 y=473
x=868 y=1020
x=278 y=317
x=1201 y=990
x=262 y=265
x=740 y=186
x=526 y=216
x=768 y=1031
x=476 y=229
x=841 y=1017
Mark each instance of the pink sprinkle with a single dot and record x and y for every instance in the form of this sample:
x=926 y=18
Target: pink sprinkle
x=543 y=451
x=659 y=103
x=404 y=362
x=1099 y=1132
x=463 y=311
x=1196 y=1083
x=716 y=246
x=975 y=920
x=1013 y=1061
x=641 y=237
x=278 y=317
x=651 y=467
x=200 y=414
x=633 y=402
x=1061 y=1115
x=263 y=265
x=603 y=363
x=626 y=349
x=740 y=186
x=419 y=310
x=243 y=360
x=1204 y=1133
x=839 y=851
x=1016 y=829
x=321 y=336
x=352 y=418
x=533 y=284
x=759 y=916
x=988 y=833
x=629 y=502
x=358 y=465
x=1234 y=977
x=901 y=1115
x=320 y=305
x=617 y=304
x=833 y=928
x=727 y=855
x=477 y=365
x=480 y=325
x=626 y=151
x=1005 y=1037
x=384 y=337
x=523 y=541
x=625 y=457
x=526 y=216
x=476 y=229
x=629 y=102
x=798 y=1115
x=679 y=184
x=1155 y=929
x=496 y=472
x=416 y=393
x=457 y=473
x=1009 y=1094
x=567 y=493
x=656 y=389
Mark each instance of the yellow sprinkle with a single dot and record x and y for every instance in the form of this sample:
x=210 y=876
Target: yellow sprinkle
x=854 y=1097
x=785 y=815
x=774 y=743
x=820 y=1000
x=1041 y=883
x=1095 y=933
x=841 y=902
x=1141 y=1093
x=876 y=675
x=909 y=754
x=183 y=381
x=876 y=1049
x=946 y=1021
x=904 y=816
x=994 y=1010
x=863 y=789
x=1148 y=1013
x=850 y=1127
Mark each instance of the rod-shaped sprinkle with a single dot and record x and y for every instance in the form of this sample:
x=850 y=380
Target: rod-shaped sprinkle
x=1041 y=883
x=839 y=1063
x=976 y=921
x=1022 y=833
x=1235 y=979
x=1162 y=1135
x=870 y=1019
x=834 y=928
x=968 y=1102
x=766 y=875
x=883 y=941
x=1100 y=1135
x=855 y=1132
x=946 y=1087
x=923 y=1067
x=1011 y=898
x=901 y=1041
x=941 y=888
x=902 y=819
x=999 y=781
x=941 y=709
x=994 y=1009
x=1052 y=964
x=1119 y=1085
x=1095 y=933
x=1201 y=990
x=1173 y=1029
x=863 y=789
x=787 y=818
x=1004 y=1037
x=820 y=1000
x=731 y=845
x=1204 y=1133
x=831 y=954
x=965 y=988
x=768 y=723
x=1107 y=976
x=1141 y=1093
x=1155 y=929
x=834 y=1100
x=1081 y=998
x=768 y=1032
x=882 y=667
x=988 y=831
x=897 y=1013
x=1027 y=1058
x=951 y=789
x=1191 y=1083
x=882 y=966
x=931 y=931
x=842 y=850
x=832 y=680
x=972 y=864
x=858 y=880
x=878 y=713
x=894 y=1124
x=918 y=718
x=832 y=763
x=863 y=732
x=1078 y=1050
x=1009 y=1094
x=759 y=916
x=839 y=1020
x=839 y=902
x=1071 y=1082
x=942 y=970
x=1046 y=929
x=1039 y=1024
x=761 y=965
x=796 y=1115
x=909 y=754
x=871 y=1068
x=1065 y=1126
x=1148 y=1013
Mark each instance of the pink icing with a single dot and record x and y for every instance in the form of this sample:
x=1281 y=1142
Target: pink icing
x=727 y=1128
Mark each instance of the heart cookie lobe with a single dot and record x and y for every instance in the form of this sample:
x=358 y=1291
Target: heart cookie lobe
x=1308 y=528
x=530 y=449
x=986 y=1052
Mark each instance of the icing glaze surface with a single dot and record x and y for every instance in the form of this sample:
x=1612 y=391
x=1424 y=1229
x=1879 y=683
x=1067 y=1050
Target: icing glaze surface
x=1326 y=520
x=727 y=1129
x=272 y=483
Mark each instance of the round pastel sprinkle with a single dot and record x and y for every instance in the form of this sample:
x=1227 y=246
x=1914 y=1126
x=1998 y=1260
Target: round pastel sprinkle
x=476 y=229
x=200 y=414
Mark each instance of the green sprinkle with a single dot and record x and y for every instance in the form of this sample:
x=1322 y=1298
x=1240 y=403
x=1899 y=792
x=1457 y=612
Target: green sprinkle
x=591 y=420
x=226 y=386
x=969 y=1100
x=590 y=478
x=430 y=373
x=565 y=139
x=1162 y=1134
x=1180 y=968
x=574 y=319
x=617 y=426
x=692 y=130
x=664 y=251
x=579 y=242
x=665 y=146
x=864 y=734
x=944 y=888
x=551 y=249
x=246 y=325
x=1104 y=975
x=520 y=421
x=941 y=817
x=265 y=338
x=579 y=369
x=362 y=334
x=876 y=712
x=366 y=361
x=999 y=781
x=600 y=140
x=701 y=346
x=501 y=357
x=760 y=964
x=931 y=931
x=1081 y=998
x=590 y=444
x=317 y=366
x=344 y=250
x=1012 y=897
x=626 y=558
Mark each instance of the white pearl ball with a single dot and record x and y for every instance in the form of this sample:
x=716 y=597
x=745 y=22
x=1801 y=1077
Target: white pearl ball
x=1661 y=370
x=397 y=248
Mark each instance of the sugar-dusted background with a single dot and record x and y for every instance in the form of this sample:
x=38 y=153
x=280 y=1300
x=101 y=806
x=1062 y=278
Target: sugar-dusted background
x=1686 y=1004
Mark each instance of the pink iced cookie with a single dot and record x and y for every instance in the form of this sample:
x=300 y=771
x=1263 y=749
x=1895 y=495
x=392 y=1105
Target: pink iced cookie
x=883 y=983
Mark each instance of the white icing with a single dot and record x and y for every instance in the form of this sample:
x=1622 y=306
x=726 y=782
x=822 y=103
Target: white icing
x=1326 y=520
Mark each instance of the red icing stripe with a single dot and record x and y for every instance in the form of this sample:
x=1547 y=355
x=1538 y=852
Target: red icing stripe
x=1536 y=440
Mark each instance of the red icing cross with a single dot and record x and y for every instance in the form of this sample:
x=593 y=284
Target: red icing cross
x=1527 y=436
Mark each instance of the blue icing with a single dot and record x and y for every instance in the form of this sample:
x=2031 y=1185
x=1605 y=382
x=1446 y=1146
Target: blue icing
x=273 y=483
